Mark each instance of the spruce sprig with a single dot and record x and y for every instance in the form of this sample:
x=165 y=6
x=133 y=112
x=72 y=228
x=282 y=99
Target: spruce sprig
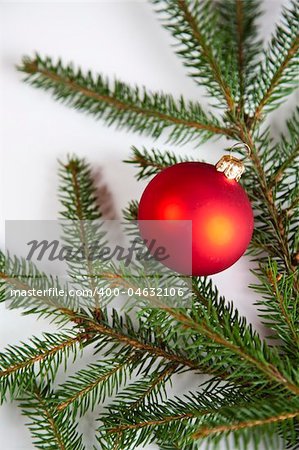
x=128 y=107
x=39 y=357
x=277 y=76
x=241 y=52
x=207 y=414
x=151 y=162
x=194 y=26
x=253 y=394
x=49 y=430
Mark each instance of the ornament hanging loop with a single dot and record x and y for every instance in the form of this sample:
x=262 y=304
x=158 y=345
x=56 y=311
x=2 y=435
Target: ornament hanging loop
x=241 y=145
x=231 y=166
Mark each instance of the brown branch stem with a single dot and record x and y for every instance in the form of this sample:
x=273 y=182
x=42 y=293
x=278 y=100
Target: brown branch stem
x=276 y=78
x=207 y=431
x=118 y=104
x=91 y=326
x=43 y=355
x=267 y=191
x=61 y=406
x=90 y=272
x=268 y=369
x=206 y=50
x=50 y=419
x=283 y=310
x=160 y=378
x=240 y=32
x=279 y=173
x=150 y=423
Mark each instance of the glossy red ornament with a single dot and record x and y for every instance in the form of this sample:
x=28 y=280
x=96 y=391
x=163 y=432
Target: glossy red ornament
x=221 y=215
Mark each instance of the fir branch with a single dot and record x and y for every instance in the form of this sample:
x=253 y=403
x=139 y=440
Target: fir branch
x=276 y=224
x=116 y=334
x=90 y=322
x=277 y=76
x=280 y=171
x=268 y=369
x=173 y=445
x=49 y=430
x=273 y=233
x=225 y=331
x=155 y=388
x=183 y=418
x=92 y=327
x=77 y=191
x=82 y=228
x=286 y=154
x=193 y=24
x=20 y=365
x=126 y=431
x=205 y=431
x=153 y=161
x=134 y=108
x=147 y=391
x=240 y=37
x=289 y=314
x=261 y=400
x=207 y=51
x=238 y=29
x=151 y=423
x=279 y=307
x=130 y=213
x=21 y=282
x=90 y=386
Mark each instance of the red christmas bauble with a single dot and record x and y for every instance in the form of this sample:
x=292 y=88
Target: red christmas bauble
x=221 y=215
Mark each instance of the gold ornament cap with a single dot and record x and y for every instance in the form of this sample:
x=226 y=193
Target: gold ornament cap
x=232 y=167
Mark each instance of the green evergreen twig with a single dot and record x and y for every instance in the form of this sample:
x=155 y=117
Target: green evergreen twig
x=254 y=392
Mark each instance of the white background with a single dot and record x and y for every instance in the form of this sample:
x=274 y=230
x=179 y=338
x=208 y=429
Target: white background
x=122 y=39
